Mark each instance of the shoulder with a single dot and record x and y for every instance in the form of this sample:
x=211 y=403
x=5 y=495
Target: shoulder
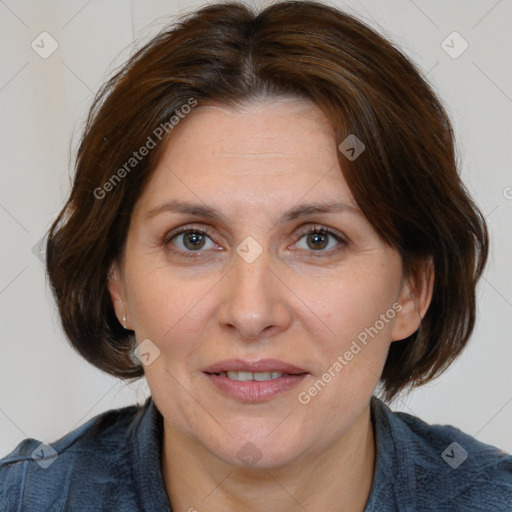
x=41 y=475
x=443 y=467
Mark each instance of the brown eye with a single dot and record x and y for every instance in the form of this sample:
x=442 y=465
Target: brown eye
x=191 y=240
x=320 y=240
x=317 y=241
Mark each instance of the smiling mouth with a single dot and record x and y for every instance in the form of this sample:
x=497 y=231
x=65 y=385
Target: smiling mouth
x=252 y=387
x=253 y=376
x=254 y=381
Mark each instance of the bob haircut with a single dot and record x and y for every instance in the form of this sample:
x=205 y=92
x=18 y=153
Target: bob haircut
x=405 y=182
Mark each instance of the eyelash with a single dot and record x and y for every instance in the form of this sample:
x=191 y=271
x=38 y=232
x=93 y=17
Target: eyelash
x=321 y=230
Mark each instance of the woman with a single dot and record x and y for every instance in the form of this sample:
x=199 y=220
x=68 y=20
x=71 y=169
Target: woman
x=267 y=222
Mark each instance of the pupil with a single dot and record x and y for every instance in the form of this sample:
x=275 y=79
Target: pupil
x=317 y=241
x=193 y=240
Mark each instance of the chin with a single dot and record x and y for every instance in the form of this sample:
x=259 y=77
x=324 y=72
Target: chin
x=256 y=451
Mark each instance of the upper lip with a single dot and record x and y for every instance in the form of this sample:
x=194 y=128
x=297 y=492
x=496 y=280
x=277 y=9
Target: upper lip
x=263 y=365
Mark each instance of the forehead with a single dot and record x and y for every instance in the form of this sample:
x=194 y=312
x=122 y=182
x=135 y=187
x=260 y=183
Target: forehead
x=272 y=150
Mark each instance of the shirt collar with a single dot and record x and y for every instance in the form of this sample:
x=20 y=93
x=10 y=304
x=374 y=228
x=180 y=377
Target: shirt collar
x=146 y=439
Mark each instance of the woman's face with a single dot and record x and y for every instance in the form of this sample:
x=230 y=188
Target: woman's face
x=247 y=245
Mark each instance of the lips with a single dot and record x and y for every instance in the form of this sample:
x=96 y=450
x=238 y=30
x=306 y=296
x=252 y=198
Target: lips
x=263 y=365
x=254 y=381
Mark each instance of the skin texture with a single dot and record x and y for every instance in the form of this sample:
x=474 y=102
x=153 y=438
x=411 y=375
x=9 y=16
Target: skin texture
x=294 y=302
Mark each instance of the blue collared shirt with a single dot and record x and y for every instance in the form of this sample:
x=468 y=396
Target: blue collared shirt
x=112 y=463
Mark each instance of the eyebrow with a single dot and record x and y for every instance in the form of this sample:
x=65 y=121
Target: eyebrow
x=296 y=212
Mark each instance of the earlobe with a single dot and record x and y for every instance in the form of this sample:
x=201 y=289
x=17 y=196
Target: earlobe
x=117 y=294
x=415 y=299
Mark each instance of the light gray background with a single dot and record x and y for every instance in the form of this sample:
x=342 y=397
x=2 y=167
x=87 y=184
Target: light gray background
x=46 y=389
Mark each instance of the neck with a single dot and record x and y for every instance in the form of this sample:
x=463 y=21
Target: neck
x=337 y=478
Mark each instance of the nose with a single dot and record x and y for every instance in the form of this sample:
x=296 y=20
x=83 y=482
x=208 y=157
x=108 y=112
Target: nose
x=254 y=303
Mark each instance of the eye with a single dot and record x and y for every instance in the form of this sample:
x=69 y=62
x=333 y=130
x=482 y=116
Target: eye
x=320 y=239
x=191 y=240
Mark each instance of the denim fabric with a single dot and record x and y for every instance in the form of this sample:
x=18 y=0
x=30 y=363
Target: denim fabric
x=112 y=463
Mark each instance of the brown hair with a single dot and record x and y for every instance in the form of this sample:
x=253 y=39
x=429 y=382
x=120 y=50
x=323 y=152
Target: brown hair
x=405 y=182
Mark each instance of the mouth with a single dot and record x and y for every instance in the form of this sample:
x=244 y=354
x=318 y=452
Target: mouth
x=248 y=376
x=262 y=366
x=254 y=381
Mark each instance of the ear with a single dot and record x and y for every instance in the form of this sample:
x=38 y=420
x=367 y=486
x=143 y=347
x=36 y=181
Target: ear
x=415 y=297
x=117 y=292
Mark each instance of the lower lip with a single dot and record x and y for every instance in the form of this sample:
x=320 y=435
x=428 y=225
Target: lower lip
x=255 y=391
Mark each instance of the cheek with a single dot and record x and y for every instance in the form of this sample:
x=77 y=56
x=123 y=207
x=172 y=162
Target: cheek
x=169 y=309
x=349 y=303
x=351 y=329
x=357 y=312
